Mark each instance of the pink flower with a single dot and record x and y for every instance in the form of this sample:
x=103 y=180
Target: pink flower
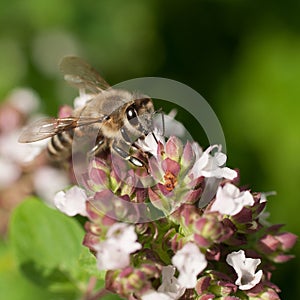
x=171 y=171
x=275 y=244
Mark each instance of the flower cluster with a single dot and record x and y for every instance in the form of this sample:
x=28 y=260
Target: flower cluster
x=151 y=231
x=24 y=167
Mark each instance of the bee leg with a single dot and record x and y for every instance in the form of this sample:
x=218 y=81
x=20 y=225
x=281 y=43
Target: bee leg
x=141 y=151
x=96 y=148
x=135 y=161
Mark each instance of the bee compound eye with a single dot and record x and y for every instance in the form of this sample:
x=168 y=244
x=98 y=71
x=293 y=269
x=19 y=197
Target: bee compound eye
x=132 y=116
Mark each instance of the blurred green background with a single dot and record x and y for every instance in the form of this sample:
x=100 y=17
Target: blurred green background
x=243 y=56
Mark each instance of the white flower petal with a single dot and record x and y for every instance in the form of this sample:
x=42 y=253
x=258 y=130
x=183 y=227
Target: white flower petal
x=200 y=164
x=230 y=201
x=19 y=152
x=231 y=190
x=154 y=295
x=256 y=279
x=149 y=144
x=114 y=252
x=111 y=256
x=170 y=289
x=228 y=173
x=25 y=100
x=82 y=99
x=71 y=202
x=197 y=149
x=187 y=280
x=209 y=165
x=171 y=125
x=220 y=158
x=263 y=196
x=245 y=269
x=190 y=262
x=9 y=173
x=246 y=198
x=48 y=181
x=170 y=285
x=125 y=235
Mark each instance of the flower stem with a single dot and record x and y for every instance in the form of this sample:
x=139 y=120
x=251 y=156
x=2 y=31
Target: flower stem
x=89 y=291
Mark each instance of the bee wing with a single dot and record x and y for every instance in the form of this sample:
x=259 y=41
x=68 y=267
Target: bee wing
x=42 y=129
x=39 y=130
x=80 y=74
x=48 y=127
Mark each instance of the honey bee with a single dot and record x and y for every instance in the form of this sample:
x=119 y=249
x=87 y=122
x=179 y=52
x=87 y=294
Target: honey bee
x=118 y=117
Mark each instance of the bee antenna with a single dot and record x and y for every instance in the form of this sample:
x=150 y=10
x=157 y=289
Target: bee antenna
x=157 y=111
x=163 y=122
x=154 y=137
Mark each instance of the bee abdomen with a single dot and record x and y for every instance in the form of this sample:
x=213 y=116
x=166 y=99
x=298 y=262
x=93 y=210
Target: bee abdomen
x=60 y=146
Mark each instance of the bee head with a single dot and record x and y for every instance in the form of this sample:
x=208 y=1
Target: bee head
x=140 y=115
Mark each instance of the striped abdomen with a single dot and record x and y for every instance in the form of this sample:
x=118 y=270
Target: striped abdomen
x=60 y=145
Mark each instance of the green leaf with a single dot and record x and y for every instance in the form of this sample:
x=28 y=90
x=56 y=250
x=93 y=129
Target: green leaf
x=10 y=278
x=87 y=265
x=48 y=249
